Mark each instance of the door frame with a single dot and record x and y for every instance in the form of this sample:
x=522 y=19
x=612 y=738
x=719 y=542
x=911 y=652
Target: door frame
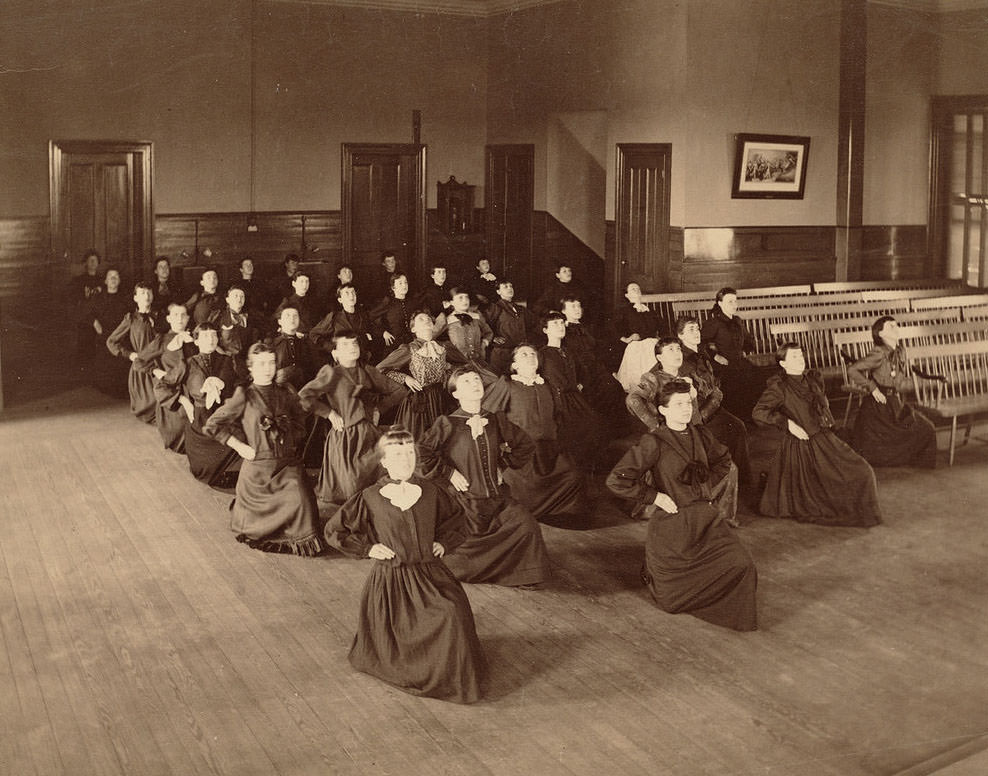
x=619 y=204
x=142 y=157
x=349 y=151
x=942 y=109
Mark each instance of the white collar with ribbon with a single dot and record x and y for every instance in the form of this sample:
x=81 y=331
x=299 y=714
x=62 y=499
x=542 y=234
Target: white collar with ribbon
x=403 y=494
x=477 y=423
x=537 y=380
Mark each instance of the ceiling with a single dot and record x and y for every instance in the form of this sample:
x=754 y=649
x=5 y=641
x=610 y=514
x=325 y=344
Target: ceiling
x=491 y=7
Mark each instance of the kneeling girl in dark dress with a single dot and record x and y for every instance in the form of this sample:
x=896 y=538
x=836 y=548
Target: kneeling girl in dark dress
x=676 y=476
x=275 y=507
x=815 y=477
x=416 y=629
x=464 y=451
x=887 y=431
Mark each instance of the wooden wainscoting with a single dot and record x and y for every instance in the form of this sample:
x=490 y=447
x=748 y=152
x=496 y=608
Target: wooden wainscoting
x=184 y=237
x=895 y=253
x=756 y=256
x=553 y=242
x=25 y=257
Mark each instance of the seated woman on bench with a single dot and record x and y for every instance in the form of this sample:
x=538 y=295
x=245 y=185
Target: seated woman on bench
x=815 y=477
x=887 y=431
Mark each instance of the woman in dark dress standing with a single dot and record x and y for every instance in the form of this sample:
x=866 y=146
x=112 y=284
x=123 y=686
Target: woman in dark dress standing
x=887 y=431
x=677 y=476
x=728 y=341
x=416 y=629
x=815 y=477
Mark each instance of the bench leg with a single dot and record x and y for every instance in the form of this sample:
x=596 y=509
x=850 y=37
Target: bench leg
x=953 y=437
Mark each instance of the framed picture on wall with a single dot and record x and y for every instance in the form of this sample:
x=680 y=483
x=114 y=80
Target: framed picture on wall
x=770 y=166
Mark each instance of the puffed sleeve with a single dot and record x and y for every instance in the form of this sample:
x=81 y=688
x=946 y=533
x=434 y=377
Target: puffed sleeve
x=768 y=410
x=314 y=394
x=859 y=373
x=640 y=401
x=118 y=343
x=350 y=529
x=627 y=478
x=431 y=450
x=222 y=423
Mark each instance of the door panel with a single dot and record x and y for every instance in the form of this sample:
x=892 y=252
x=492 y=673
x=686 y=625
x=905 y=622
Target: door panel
x=642 y=216
x=510 y=196
x=384 y=206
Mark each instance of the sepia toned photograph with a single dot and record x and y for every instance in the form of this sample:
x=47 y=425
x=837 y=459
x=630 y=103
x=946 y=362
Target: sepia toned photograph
x=493 y=388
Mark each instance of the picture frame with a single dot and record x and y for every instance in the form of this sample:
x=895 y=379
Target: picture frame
x=770 y=166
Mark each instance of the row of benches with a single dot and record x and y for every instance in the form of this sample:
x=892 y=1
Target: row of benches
x=942 y=329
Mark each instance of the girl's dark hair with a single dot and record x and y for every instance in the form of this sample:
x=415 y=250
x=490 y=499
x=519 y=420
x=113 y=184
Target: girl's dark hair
x=516 y=348
x=784 y=348
x=455 y=375
x=665 y=342
x=877 y=327
x=339 y=291
x=683 y=321
x=725 y=291
x=669 y=390
x=345 y=334
x=255 y=350
x=416 y=314
x=394 y=435
x=552 y=315
x=397 y=274
x=143 y=284
x=205 y=326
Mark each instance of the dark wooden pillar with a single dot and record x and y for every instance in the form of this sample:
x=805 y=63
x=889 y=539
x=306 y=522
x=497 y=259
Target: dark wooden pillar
x=851 y=129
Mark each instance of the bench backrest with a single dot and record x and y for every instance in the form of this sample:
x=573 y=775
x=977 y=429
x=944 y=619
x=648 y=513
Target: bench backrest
x=875 y=295
x=864 y=285
x=961 y=300
x=978 y=312
x=963 y=364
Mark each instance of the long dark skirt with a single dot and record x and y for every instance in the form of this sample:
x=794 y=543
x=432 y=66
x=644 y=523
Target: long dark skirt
x=416 y=632
x=140 y=386
x=208 y=459
x=171 y=425
x=350 y=463
x=695 y=564
x=551 y=487
x=504 y=545
x=892 y=434
x=275 y=508
x=580 y=429
x=731 y=432
x=821 y=481
x=419 y=409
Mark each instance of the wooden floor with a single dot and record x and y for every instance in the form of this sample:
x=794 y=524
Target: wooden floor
x=140 y=638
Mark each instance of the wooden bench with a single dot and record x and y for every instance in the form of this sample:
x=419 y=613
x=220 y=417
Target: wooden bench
x=850 y=346
x=964 y=391
x=759 y=322
x=663 y=303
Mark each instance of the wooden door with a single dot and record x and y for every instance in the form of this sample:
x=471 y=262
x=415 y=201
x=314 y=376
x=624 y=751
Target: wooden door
x=384 y=206
x=642 y=216
x=101 y=198
x=510 y=199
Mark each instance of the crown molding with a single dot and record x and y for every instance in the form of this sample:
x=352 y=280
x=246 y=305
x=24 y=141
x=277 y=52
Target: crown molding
x=476 y=8
x=935 y=6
